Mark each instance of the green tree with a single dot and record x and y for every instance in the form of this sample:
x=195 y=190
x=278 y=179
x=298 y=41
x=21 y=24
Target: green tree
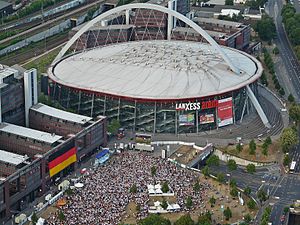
x=234 y=192
x=189 y=202
x=153 y=171
x=247 y=191
x=34 y=218
x=227 y=213
x=276 y=51
x=239 y=147
x=247 y=218
x=61 y=216
x=232 y=183
x=265 y=149
x=268 y=141
x=221 y=177
x=213 y=160
x=205 y=171
x=165 y=187
x=286 y=160
x=228 y=2
x=197 y=187
x=231 y=165
x=264 y=79
x=185 y=220
x=164 y=204
x=251 y=168
x=251 y=204
x=265 y=28
x=286 y=210
x=291 y=98
x=133 y=189
x=252 y=147
x=212 y=201
x=294 y=112
x=288 y=139
x=113 y=126
x=262 y=195
x=205 y=219
x=154 y=219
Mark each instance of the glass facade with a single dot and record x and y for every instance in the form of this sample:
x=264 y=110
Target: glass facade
x=151 y=116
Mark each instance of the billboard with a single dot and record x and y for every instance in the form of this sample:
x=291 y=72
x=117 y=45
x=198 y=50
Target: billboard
x=225 y=115
x=207 y=118
x=186 y=120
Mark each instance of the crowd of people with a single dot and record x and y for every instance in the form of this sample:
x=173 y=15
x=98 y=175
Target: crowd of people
x=106 y=192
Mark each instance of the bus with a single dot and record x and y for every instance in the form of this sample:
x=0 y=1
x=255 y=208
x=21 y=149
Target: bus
x=292 y=167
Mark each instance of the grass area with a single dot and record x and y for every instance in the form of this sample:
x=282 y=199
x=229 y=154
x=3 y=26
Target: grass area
x=42 y=63
x=258 y=156
x=219 y=191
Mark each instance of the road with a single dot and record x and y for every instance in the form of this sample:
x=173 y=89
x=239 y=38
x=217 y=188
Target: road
x=296 y=4
x=288 y=70
x=290 y=74
x=283 y=189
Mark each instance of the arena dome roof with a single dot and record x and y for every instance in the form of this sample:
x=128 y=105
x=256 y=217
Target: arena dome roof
x=156 y=70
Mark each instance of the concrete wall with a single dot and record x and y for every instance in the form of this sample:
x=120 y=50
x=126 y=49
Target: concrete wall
x=243 y=162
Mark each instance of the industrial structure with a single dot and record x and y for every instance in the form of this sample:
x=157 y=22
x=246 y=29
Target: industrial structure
x=155 y=81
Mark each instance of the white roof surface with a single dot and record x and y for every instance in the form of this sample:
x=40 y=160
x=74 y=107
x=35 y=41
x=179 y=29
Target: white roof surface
x=29 y=133
x=57 y=113
x=12 y=158
x=156 y=70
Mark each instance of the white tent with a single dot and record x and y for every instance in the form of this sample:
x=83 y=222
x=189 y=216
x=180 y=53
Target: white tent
x=41 y=221
x=79 y=185
x=157 y=186
x=151 y=191
x=150 y=186
x=157 y=203
x=169 y=207
x=48 y=197
x=158 y=191
x=175 y=206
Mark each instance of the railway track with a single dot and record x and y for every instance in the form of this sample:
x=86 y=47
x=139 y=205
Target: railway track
x=23 y=55
x=49 y=23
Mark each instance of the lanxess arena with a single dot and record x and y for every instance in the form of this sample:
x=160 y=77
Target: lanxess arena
x=172 y=86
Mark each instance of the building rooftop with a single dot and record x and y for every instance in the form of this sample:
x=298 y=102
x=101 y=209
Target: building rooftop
x=4 y=4
x=29 y=133
x=7 y=71
x=216 y=2
x=216 y=21
x=210 y=32
x=57 y=113
x=218 y=8
x=156 y=70
x=12 y=158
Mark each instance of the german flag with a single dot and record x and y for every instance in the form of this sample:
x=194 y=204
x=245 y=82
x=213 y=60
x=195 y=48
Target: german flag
x=62 y=161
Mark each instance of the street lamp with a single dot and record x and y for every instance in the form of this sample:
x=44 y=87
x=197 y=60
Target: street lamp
x=228 y=175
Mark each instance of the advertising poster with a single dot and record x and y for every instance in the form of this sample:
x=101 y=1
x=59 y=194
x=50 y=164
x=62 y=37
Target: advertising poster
x=207 y=118
x=225 y=116
x=187 y=120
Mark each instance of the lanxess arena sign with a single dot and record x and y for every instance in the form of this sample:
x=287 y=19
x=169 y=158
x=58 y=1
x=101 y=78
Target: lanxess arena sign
x=190 y=106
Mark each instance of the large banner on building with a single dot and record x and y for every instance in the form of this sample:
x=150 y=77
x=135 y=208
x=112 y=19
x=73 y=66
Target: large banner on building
x=187 y=120
x=207 y=118
x=225 y=116
x=62 y=161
